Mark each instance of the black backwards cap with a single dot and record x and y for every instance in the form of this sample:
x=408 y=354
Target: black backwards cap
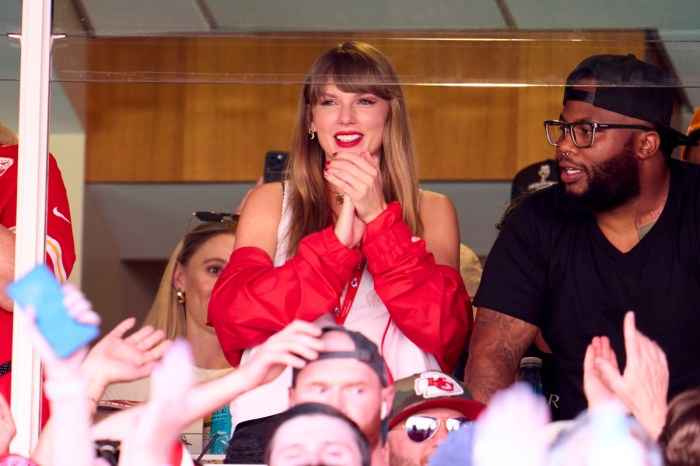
x=630 y=87
x=365 y=351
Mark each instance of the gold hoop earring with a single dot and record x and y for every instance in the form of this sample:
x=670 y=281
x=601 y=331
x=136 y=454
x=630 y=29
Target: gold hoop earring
x=181 y=298
x=312 y=134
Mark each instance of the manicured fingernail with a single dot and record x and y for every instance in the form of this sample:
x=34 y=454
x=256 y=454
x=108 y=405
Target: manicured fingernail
x=328 y=162
x=334 y=154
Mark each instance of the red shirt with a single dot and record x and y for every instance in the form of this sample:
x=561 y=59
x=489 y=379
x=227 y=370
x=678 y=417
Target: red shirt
x=60 y=250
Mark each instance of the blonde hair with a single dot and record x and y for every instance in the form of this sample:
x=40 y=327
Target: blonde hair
x=7 y=136
x=167 y=313
x=354 y=67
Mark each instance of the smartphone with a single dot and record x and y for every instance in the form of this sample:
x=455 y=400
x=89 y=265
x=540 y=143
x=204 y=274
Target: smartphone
x=275 y=166
x=40 y=289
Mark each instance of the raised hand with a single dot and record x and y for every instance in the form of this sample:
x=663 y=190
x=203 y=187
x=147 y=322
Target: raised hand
x=292 y=346
x=164 y=416
x=594 y=383
x=643 y=386
x=118 y=359
x=359 y=177
x=80 y=309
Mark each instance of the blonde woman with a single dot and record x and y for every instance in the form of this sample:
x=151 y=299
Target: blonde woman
x=180 y=306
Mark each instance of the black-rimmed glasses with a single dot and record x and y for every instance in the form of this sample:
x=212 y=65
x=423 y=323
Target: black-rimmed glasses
x=421 y=428
x=582 y=132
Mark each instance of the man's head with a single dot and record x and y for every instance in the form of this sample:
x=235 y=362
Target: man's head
x=313 y=433
x=349 y=375
x=616 y=117
x=425 y=406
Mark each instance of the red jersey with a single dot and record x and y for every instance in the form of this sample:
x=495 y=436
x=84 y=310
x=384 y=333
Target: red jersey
x=60 y=249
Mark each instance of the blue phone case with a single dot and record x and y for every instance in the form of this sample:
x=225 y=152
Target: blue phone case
x=40 y=289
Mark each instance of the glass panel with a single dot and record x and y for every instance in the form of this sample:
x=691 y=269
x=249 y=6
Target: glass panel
x=145 y=91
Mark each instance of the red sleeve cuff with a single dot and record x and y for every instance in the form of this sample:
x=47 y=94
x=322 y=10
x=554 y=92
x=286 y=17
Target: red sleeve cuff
x=391 y=215
x=393 y=244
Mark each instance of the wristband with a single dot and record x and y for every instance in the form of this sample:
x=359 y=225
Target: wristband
x=64 y=391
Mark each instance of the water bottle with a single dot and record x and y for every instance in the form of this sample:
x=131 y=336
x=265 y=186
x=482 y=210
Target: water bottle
x=217 y=424
x=530 y=373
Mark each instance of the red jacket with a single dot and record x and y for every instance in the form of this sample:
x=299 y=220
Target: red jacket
x=253 y=299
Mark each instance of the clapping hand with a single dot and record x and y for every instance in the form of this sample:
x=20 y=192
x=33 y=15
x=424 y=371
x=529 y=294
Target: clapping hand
x=118 y=359
x=643 y=386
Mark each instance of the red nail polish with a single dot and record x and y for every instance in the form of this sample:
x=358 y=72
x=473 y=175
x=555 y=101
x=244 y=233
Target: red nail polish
x=334 y=154
x=328 y=162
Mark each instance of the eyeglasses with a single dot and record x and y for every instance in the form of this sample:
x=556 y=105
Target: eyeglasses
x=214 y=216
x=421 y=428
x=205 y=216
x=582 y=132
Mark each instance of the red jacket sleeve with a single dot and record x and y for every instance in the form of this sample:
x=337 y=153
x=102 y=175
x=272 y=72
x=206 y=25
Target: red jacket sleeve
x=428 y=302
x=252 y=299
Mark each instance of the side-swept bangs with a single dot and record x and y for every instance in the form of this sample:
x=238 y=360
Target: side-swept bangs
x=354 y=68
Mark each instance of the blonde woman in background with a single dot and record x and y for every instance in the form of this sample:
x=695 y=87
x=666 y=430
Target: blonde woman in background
x=180 y=306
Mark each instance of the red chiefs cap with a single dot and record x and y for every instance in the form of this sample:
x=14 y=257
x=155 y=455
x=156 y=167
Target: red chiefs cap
x=431 y=389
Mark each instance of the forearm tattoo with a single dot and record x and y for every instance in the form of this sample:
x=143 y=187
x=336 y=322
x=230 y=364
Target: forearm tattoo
x=497 y=344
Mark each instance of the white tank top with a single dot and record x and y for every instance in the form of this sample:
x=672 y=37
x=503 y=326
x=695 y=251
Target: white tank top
x=368 y=315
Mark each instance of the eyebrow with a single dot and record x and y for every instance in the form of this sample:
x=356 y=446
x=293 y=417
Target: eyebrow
x=217 y=260
x=586 y=118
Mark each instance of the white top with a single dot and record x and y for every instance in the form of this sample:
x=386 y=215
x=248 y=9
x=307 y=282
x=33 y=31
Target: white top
x=368 y=315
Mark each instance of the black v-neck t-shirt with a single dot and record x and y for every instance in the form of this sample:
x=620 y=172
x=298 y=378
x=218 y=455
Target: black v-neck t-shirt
x=560 y=273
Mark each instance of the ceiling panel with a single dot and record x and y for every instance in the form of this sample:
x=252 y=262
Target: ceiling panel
x=605 y=14
x=358 y=15
x=144 y=17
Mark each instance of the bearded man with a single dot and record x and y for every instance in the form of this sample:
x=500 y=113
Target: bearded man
x=620 y=232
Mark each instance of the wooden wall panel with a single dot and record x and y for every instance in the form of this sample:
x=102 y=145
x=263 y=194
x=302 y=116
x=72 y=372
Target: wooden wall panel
x=207 y=109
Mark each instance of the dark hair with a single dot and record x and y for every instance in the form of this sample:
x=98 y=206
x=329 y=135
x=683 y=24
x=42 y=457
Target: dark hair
x=318 y=409
x=680 y=437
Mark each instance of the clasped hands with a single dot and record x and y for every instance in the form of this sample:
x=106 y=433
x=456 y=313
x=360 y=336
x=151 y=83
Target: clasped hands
x=358 y=177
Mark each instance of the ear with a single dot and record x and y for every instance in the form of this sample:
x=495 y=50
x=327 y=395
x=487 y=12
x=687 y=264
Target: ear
x=178 y=277
x=387 y=399
x=312 y=126
x=649 y=144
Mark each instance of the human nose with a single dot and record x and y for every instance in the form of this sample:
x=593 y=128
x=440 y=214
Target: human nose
x=441 y=434
x=566 y=145
x=347 y=114
x=335 y=399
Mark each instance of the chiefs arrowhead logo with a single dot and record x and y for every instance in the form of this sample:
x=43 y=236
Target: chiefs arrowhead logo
x=5 y=163
x=436 y=384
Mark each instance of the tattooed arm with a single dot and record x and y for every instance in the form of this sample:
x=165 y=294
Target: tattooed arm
x=497 y=344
